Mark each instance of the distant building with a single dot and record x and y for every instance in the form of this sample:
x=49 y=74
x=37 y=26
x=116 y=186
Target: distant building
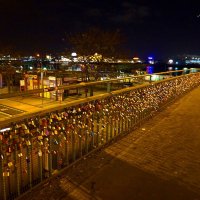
x=192 y=59
x=186 y=60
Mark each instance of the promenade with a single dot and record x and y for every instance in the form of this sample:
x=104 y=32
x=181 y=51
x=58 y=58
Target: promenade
x=159 y=160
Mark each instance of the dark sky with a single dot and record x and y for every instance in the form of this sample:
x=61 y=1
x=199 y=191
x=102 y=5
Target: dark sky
x=157 y=28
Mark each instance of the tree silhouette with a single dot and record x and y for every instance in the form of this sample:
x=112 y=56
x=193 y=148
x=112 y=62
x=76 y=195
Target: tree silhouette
x=95 y=41
x=8 y=72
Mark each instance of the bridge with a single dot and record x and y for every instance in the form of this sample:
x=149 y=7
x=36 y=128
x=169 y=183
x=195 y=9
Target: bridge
x=36 y=147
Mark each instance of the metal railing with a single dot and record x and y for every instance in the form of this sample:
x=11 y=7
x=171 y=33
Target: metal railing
x=33 y=147
x=109 y=84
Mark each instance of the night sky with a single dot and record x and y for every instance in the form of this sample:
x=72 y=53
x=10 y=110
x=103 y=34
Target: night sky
x=157 y=28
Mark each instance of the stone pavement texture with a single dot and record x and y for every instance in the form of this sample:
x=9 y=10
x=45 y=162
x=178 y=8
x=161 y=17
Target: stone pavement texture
x=158 y=161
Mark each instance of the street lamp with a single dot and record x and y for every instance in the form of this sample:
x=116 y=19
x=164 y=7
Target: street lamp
x=41 y=75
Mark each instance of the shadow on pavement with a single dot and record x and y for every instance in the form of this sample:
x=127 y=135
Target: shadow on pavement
x=102 y=176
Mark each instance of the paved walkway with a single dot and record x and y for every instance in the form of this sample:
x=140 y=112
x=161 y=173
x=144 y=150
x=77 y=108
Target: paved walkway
x=159 y=161
x=32 y=104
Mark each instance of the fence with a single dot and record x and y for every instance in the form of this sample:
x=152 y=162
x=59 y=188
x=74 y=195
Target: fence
x=31 y=149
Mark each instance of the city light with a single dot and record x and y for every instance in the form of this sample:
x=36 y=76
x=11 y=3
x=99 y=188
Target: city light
x=150 y=60
x=48 y=57
x=170 y=61
x=73 y=54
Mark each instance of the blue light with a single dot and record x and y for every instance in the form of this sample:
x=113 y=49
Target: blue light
x=149 y=69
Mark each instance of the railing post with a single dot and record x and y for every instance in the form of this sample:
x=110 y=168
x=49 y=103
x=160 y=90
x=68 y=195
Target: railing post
x=40 y=154
x=126 y=124
x=150 y=78
x=4 y=186
x=73 y=146
x=66 y=151
x=115 y=128
x=50 y=155
x=118 y=125
x=29 y=162
x=80 y=143
x=111 y=127
x=123 y=124
x=17 y=170
x=108 y=87
x=107 y=128
x=2 y=178
x=91 y=91
x=86 y=141
x=98 y=129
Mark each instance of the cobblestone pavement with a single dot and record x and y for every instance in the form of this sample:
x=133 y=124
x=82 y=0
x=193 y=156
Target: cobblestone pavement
x=158 y=161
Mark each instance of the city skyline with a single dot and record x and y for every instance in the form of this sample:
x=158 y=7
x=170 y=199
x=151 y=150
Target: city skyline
x=151 y=29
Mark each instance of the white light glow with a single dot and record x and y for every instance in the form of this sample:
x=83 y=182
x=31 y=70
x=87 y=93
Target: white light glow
x=74 y=54
x=4 y=129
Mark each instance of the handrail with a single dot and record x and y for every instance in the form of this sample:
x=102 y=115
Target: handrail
x=23 y=116
x=85 y=84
